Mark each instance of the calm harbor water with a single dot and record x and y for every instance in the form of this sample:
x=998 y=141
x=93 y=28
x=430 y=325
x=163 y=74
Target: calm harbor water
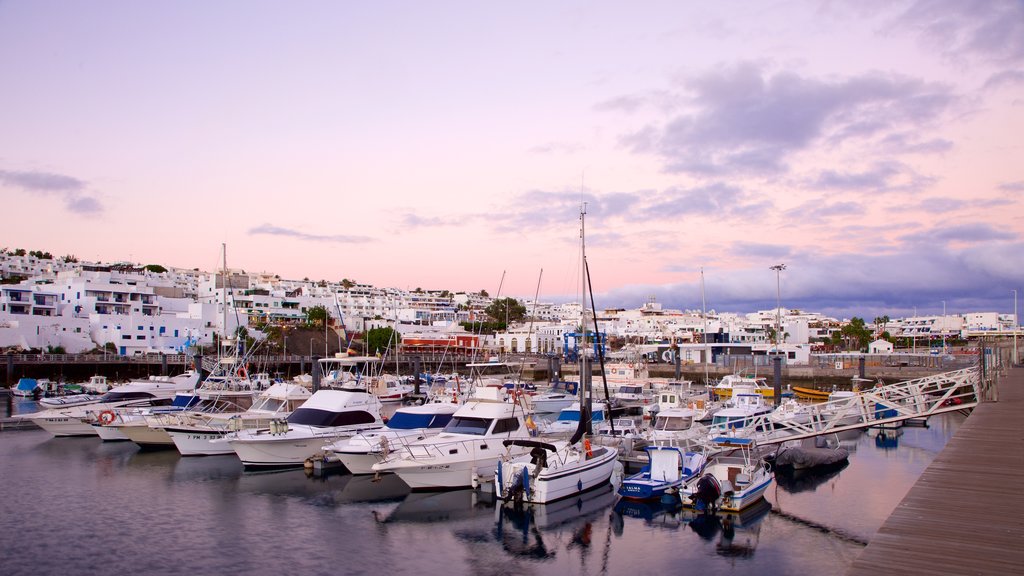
x=81 y=506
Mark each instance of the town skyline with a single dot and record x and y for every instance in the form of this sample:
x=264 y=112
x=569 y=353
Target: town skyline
x=869 y=318
x=872 y=148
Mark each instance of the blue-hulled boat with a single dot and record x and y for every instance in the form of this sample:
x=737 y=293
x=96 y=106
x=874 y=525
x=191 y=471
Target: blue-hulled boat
x=668 y=468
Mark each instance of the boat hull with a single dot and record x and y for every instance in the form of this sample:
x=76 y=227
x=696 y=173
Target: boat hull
x=147 y=437
x=287 y=450
x=199 y=442
x=60 y=425
x=357 y=462
x=109 y=433
x=553 y=484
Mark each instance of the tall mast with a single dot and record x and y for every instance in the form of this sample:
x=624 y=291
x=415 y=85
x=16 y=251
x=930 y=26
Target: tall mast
x=224 y=294
x=704 y=307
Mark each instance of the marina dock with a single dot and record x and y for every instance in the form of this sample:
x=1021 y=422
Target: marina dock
x=965 y=514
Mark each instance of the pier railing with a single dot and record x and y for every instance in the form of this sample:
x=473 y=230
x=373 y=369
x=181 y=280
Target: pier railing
x=881 y=406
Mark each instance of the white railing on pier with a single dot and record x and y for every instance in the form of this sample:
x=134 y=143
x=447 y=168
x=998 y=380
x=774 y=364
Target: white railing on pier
x=877 y=407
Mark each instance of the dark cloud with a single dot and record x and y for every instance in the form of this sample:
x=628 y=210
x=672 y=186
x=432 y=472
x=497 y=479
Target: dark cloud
x=71 y=190
x=1017 y=186
x=541 y=209
x=766 y=251
x=968 y=233
x=270 y=229
x=41 y=181
x=745 y=121
x=1006 y=78
x=986 y=30
x=864 y=284
x=881 y=177
x=905 y=143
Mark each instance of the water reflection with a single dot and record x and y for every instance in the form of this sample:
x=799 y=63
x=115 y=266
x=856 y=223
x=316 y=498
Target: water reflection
x=656 y=513
x=522 y=530
x=795 y=480
x=432 y=507
x=887 y=439
x=737 y=534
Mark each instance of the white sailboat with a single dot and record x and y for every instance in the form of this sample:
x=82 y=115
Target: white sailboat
x=559 y=469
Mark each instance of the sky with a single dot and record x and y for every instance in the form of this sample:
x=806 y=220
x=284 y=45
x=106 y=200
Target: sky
x=873 y=147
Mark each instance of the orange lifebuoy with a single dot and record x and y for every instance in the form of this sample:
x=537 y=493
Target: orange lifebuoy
x=107 y=417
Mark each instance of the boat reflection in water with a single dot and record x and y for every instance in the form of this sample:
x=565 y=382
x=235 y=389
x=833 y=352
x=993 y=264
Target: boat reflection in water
x=430 y=507
x=330 y=490
x=522 y=530
x=737 y=533
x=886 y=439
x=795 y=480
x=663 y=513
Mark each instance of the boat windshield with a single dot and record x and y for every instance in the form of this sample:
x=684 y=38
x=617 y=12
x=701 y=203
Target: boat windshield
x=726 y=422
x=673 y=423
x=407 y=421
x=125 y=396
x=269 y=404
x=315 y=417
x=630 y=389
x=468 y=425
x=569 y=415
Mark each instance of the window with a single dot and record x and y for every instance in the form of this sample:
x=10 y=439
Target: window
x=468 y=425
x=140 y=337
x=506 y=425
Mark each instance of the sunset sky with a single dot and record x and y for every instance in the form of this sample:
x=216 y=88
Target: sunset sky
x=875 y=148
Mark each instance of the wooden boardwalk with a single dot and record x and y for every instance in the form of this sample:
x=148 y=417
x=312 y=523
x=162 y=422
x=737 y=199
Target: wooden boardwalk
x=965 y=515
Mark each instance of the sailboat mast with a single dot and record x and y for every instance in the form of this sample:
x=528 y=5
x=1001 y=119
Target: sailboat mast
x=224 y=296
x=704 y=307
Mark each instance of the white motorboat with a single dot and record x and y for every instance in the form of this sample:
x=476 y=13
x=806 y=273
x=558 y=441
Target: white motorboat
x=744 y=408
x=733 y=478
x=328 y=416
x=130 y=423
x=77 y=420
x=568 y=419
x=675 y=426
x=390 y=388
x=730 y=382
x=561 y=395
x=790 y=411
x=225 y=408
x=409 y=423
x=842 y=408
x=467 y=451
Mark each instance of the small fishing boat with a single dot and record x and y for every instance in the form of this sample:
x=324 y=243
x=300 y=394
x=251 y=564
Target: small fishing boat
x=733 y=479
x=667 y=469
x=805 y=393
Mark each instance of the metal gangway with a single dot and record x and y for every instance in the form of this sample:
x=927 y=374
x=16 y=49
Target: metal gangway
x=877 y=407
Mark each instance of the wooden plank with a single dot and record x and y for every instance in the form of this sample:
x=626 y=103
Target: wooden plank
x=965 y=514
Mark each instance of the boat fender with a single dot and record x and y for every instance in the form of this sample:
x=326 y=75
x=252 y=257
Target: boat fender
x=106 y=417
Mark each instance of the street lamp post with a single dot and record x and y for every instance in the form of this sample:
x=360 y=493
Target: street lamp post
x=943 y=326
x=1015 y=325
x=778 y=302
